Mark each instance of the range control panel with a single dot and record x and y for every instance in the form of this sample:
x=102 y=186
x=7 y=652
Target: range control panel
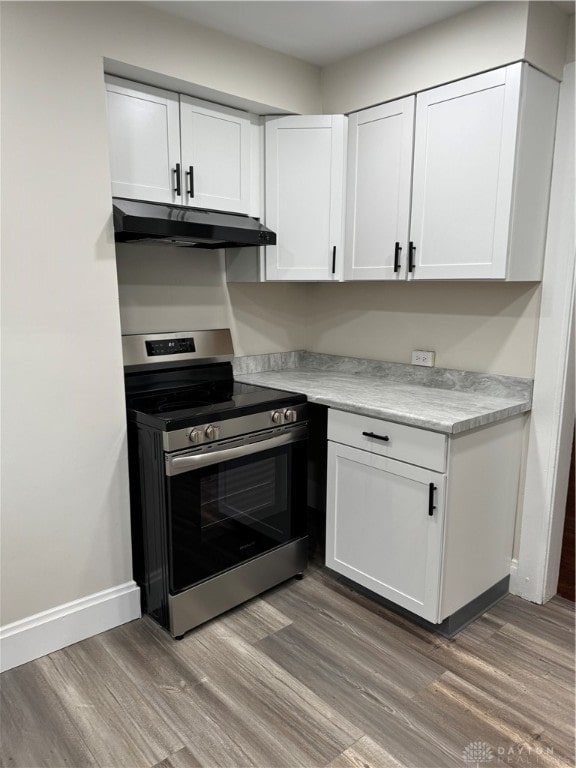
x=170 y=347
x=163 y=350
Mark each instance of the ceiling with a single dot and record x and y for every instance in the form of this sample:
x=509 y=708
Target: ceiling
x=317 y=31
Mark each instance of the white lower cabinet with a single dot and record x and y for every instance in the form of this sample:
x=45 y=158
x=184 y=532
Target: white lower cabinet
x=381 y=533
x=428 y=540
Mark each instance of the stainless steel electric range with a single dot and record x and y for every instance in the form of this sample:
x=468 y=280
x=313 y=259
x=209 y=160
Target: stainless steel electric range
x=217 y=478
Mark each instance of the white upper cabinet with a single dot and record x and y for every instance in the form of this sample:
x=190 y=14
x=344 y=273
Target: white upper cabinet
x=482 y=164
x=305 y=170
x=144 y=132
x=380 y=144
x=215 y=156
x=482 y=160
x=463 y=176
x=170 y=148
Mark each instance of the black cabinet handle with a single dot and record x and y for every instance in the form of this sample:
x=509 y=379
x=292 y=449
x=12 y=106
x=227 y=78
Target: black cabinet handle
x=190 y=174
x=385 y=438
x=334 y=260
x=431 y=507
x=178 y=187
x=411 y=252
x=397 y=252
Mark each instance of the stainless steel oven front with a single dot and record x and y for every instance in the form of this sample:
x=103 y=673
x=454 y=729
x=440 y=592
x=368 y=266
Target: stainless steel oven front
x=236 y=520
x=218 y=473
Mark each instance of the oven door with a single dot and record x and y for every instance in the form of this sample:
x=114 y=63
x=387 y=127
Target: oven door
x=233 y=501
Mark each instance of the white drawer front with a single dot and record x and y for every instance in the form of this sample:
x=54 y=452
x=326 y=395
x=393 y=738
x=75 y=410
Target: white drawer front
x=409 y=444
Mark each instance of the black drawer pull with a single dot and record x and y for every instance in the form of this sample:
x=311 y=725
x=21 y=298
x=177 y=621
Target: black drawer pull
x=178 y=188
x=431 y=507
x=190 y=174
x=397 y=252
x=334 y=260
x=411 y=252
x=385 y=438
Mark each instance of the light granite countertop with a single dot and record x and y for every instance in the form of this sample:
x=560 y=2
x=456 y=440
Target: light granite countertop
x=441 y=400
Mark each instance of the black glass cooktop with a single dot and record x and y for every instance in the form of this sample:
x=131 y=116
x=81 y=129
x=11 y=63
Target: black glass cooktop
x=205 y=402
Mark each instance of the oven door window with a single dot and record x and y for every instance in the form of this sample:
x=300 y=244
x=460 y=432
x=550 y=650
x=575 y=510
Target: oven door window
x=225 y=514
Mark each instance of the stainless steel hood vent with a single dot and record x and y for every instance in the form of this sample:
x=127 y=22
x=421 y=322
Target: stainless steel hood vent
x=136 y=220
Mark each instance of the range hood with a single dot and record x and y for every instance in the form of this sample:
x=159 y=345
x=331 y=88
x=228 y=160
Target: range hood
x=136 y=220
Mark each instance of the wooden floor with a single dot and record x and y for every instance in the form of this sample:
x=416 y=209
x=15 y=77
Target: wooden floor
x=311 y=674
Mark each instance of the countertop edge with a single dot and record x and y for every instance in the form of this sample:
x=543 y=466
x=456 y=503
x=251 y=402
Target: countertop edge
x=465 y=425
x=442 y=427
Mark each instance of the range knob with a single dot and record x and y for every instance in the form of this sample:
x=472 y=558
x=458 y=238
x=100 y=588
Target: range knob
x=212 y=432
x=277 y=417
x=290 y=415
x=196 y=436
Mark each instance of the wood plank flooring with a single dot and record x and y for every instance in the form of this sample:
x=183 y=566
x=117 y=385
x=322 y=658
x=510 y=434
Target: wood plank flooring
x=310 y=674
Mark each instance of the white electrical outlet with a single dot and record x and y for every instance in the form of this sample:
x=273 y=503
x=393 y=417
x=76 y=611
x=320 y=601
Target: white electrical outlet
x=420 y=357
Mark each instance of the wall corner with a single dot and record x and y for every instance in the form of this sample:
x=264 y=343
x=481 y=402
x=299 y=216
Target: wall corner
x=547 y=37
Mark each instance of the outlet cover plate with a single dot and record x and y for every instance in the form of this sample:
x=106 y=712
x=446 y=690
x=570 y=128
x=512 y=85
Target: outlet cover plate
x=422 y=357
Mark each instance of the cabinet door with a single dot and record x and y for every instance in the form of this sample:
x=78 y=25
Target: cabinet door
x=144 y=136
x=379 y=532
x=378 y=197
x=305 y=168
x=215 y=156
x=465 y=141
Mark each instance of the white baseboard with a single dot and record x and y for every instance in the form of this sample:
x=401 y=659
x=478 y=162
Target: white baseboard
x=514 y=587
x=58 y=627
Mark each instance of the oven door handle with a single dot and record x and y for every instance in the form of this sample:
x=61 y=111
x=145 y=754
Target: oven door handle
x=176 y=465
